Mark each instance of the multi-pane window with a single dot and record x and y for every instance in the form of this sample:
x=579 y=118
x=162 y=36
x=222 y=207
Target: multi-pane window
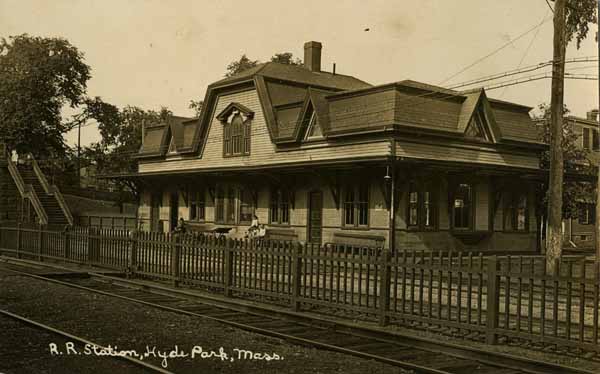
x=220 y=205
x=587 y=214
x=356 y=206
x=230 y=205
x=515 y=211
x=197 y=205
x=233 y=205
x=236 y=137
x=463 y=207
x=586 y=138
x=421 y=205
x=246 y=206
x=595 y=143
x=279 y=209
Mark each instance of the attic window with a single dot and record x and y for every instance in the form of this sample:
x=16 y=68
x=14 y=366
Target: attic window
x=172 y=148
x=236 y=136
x=314 y=129
x=477 y=128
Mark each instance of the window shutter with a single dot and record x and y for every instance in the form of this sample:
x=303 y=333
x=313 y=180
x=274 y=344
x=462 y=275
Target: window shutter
x=586 y=138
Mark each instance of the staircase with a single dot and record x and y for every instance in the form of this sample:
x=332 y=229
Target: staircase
x=56 y=215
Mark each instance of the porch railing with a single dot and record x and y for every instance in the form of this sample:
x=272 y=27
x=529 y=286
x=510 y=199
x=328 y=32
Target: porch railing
x=489 y=298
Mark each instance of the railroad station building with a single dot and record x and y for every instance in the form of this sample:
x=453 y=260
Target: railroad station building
x=315 y=155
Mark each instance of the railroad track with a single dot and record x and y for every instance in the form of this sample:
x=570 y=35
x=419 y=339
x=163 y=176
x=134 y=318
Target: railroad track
x=147 y=367
x=418 y=355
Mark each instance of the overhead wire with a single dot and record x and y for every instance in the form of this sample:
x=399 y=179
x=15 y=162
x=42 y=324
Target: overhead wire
x=510 y=42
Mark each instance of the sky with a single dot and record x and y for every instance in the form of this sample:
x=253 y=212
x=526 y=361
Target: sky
x=154 y=53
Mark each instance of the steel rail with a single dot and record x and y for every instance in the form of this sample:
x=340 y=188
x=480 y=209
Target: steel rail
x=519 y=364
x=65 y=334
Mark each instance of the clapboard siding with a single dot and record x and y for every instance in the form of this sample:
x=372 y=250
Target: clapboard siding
x=450 y=152
x=263 y=151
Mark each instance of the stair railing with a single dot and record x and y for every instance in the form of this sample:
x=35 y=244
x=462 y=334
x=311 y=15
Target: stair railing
x=26 y=190
x=51 y=189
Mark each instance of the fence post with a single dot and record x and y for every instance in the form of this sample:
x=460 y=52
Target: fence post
x=175 y=256
x=228 y=271
x=66 y=244
x=296 y=275
x=493 y=300
x=91 y=244
x=19 y=233
x=133 y=238
x=40 y=242
x=384 y=288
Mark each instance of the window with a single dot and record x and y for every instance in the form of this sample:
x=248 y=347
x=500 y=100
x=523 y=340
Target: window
x=197 y=205
x=280 y=207
x=220 y=205
x=356 y=206
x=595 y=143
x=421 y=205
x=587 y=214
x=236 y=136
x=246 y=206
x=515 y=212
x=463 y=207
x=233 y=205
x=586 y=138
x=230 y=205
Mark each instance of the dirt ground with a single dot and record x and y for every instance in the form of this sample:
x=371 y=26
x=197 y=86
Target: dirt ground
x=131 y=326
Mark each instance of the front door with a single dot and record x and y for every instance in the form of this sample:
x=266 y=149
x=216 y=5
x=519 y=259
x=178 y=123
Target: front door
x=174 y=211
x=315 y=217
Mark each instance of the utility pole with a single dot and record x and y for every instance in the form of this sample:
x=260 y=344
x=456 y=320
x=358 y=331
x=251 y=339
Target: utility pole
x=597 y=220
x=79 y=154
x=554 y=239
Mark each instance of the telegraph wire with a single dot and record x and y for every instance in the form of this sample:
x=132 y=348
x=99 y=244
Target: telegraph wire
x=495 y=51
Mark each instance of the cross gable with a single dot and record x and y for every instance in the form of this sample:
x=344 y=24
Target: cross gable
x=232 y=110
x=477 y=119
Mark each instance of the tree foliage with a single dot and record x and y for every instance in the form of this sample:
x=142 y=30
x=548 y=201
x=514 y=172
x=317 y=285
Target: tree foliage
x=196 y=106
x=576 y=161
x=38 y=77
x=121 y=131
x=236 y=67
x=286 y=58
x=244 y=63
x=580 y=13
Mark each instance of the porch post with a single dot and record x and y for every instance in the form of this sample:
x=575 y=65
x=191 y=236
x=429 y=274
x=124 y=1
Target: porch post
x=384 y=293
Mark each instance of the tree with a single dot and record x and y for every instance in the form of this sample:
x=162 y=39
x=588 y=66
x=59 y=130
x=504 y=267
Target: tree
x=576 y=161
x=197 y=107
x=39 y=76
x=236 y=67
x=244 y=63
x=571 y=19
x=286 y=58
x=121 y=132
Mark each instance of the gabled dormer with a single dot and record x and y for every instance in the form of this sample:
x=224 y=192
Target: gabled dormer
x=477 y=120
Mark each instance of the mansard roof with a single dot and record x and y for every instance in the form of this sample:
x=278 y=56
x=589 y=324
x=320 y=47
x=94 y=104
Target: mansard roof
x=347 y=106
x=157 y=137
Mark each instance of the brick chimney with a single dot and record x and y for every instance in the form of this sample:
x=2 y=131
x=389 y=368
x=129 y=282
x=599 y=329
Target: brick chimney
x=312 y=56
x=592 y=115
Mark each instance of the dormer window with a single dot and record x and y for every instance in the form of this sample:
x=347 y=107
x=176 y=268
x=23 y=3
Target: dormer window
x=236 y=120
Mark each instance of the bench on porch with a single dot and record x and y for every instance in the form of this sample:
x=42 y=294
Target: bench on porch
x=358 y=240
x=281 y=234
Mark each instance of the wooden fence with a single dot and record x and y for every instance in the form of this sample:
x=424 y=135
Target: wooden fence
x=487 y=297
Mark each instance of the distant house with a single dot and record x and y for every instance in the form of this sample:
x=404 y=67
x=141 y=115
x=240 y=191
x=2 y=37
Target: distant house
x=580 y=232
x=315 y=155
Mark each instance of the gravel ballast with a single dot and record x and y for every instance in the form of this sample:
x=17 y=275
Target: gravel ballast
x=131 y=326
